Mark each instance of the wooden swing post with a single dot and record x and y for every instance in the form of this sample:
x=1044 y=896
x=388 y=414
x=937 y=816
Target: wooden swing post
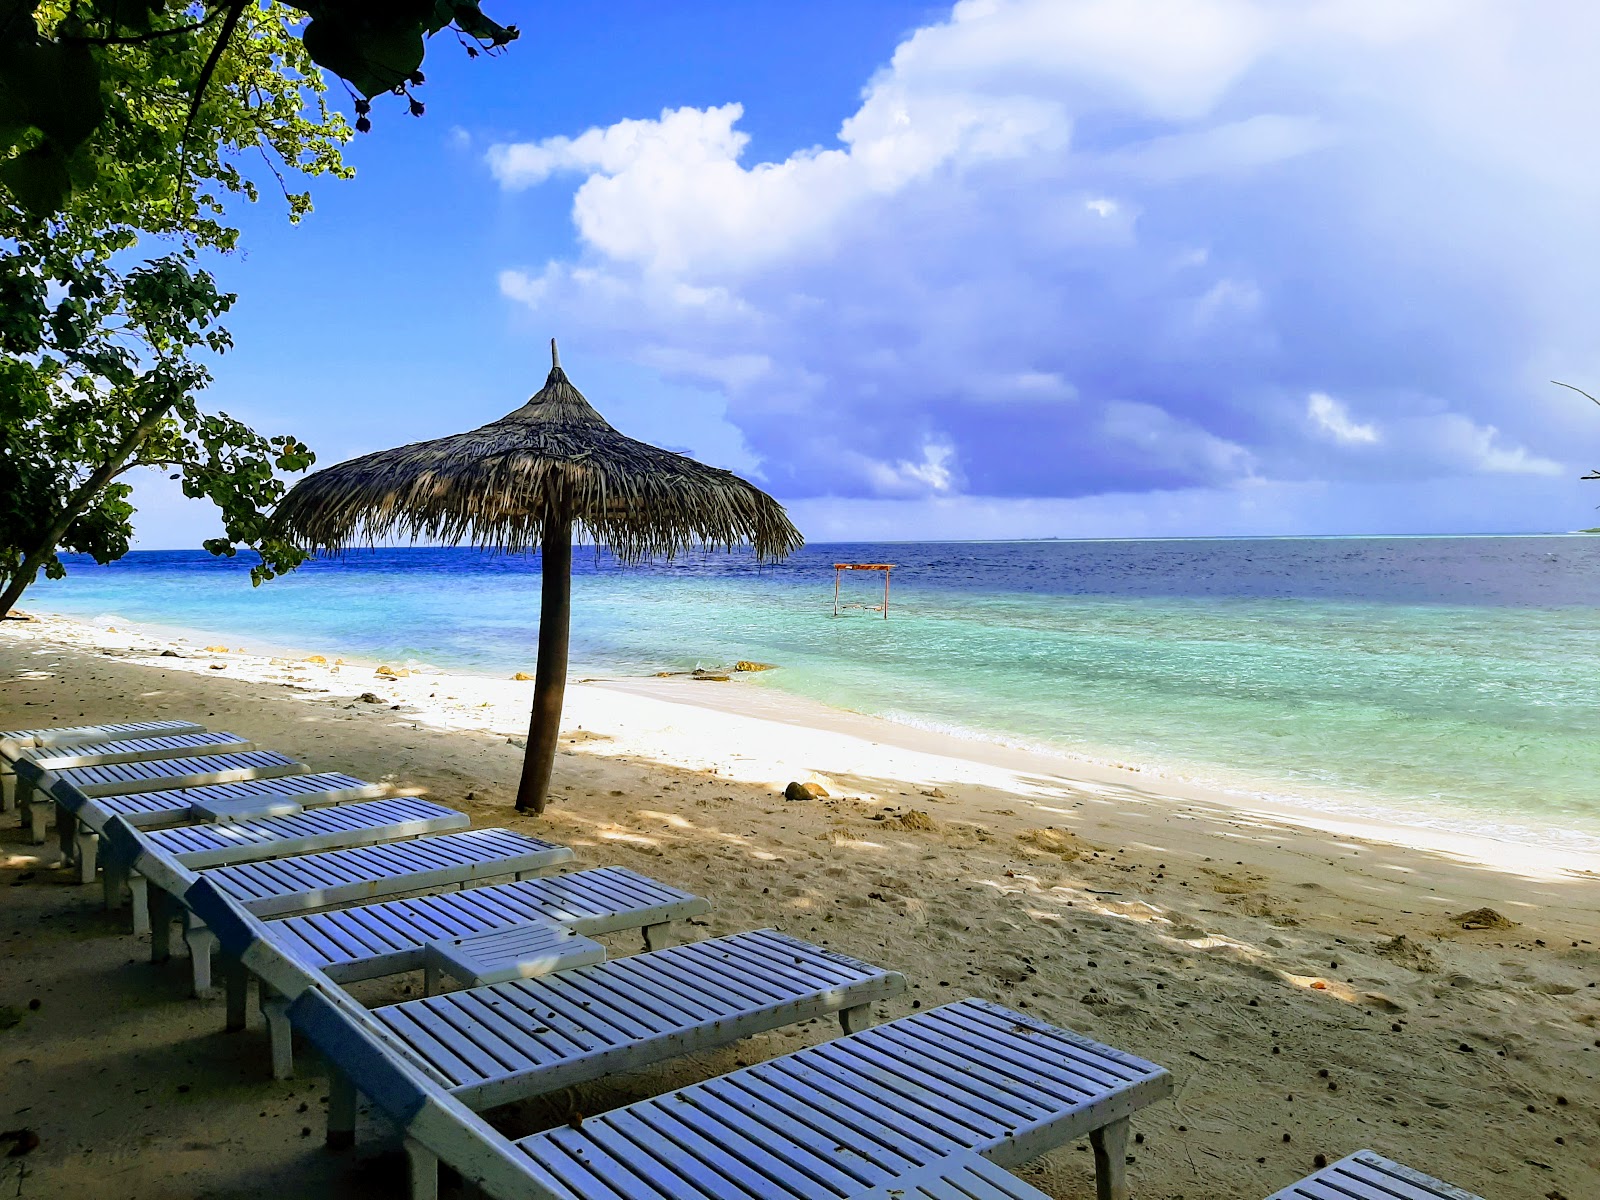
x=838 y=573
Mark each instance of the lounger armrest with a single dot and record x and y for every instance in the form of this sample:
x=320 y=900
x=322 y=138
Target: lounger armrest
x=419 y=1105
x=124 y=844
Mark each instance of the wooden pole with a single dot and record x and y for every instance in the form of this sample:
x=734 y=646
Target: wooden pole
x=886 y=593
x=550 y=676
x=838 y=574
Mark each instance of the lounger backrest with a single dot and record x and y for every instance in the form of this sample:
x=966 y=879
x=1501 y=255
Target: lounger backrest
x=411 y=1095
x=122 y=842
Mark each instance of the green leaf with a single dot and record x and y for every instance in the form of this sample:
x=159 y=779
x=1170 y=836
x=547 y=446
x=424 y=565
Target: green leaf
x=375 y=56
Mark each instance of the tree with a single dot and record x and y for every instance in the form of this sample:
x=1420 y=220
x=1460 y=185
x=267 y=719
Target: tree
x=61 y=60
x=121 y=122
x=1581 y=392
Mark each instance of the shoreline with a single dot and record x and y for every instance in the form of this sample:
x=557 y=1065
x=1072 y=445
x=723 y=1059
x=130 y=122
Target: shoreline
x=919 y=754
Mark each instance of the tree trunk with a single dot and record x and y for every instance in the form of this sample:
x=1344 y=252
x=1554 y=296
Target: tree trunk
x=20 y=581
x=550 y=677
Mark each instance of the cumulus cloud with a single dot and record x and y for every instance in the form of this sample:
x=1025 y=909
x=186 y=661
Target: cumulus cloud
x=1076 y=248
x=1334 y=419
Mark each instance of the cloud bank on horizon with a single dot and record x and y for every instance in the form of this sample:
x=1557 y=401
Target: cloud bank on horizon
x=1128 y=266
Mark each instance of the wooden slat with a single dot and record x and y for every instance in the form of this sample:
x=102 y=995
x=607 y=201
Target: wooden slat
x=1368 y=1176
x=385 y=938
x=580 y=1024
x=199 y=846
x=369 y=872
x=32 y=763
x=959 y=1177
x=75 y=784
x=172 y=806
x=13 y=742
x=868 y=1115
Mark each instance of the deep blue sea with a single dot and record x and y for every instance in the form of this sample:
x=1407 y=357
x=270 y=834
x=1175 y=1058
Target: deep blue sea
x=1450 y=681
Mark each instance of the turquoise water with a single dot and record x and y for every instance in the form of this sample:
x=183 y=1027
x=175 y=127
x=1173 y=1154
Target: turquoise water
x=1449 y=681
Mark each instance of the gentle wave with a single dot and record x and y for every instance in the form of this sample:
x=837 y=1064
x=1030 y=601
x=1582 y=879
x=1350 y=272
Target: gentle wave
x=1445 y=682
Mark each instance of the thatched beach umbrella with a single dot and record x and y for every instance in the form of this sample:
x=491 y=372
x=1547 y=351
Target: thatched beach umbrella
x=529 y=479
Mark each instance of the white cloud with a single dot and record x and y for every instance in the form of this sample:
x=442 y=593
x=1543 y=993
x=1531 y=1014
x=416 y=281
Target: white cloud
x=1478 y=448
x=1333 y=419
x=931 y=474
x=1066 y=248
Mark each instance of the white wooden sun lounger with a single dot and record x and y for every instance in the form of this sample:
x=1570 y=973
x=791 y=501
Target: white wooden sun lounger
x=864 y=1117
x=13 y=742
x=278 y=796
x=1368 y=1176
x=71 y=786
x=330 y=828
x=254 y=798
x=512 y=1041
x=38 y=767
x=375 y=940
x=312 y=881
x=389 y=938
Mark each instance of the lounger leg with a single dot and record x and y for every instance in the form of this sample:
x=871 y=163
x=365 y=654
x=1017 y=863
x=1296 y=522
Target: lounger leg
x=341 y=1111
x=139 y=898
x=659 y=936
x=1110 y=1144
x=158 y=916
x=113 y=879
x=8 y=789
x=424 y=1171
x=276 y=1011
x=236 y=979
x=201 y=943
x=22 y=797
x=856 y=1018
x=430 y=979
x=36 y=820
x=88 y=852
x=66 y=830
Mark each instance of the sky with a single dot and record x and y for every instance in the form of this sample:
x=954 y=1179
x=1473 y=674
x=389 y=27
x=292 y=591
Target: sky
x=1017 y=268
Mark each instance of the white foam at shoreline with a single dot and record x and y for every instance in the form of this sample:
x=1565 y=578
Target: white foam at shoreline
x=697 y=724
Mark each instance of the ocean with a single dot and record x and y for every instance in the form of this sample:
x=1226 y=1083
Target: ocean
x=1447 y=682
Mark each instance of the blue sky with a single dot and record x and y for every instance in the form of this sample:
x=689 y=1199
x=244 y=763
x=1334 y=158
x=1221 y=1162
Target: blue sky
x=1017 y=268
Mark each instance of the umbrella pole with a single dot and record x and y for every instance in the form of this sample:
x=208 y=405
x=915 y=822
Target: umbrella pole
x=550 y=676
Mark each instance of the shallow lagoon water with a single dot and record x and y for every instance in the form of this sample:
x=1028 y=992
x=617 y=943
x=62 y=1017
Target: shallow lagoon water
x=1449 y=681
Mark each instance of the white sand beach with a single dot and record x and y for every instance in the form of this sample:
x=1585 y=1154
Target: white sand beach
x=1301 y=975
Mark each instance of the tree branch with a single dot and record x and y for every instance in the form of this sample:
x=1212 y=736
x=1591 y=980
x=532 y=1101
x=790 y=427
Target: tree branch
x=1579 y=390
x=235 y=10
x=139 y=39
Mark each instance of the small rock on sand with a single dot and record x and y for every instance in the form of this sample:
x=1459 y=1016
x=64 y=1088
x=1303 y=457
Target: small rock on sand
x=1401 y=949
x=913 y=818
x=745 y=664
x=522 y=677
x=1482 y=918
x=389 y=672
x=370 y=698
x=1053 y=841
x=805 y=791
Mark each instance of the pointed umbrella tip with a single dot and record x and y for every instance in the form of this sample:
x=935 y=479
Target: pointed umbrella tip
x=555 y=359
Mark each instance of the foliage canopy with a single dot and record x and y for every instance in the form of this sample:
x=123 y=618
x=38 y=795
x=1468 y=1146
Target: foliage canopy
x=127 y=122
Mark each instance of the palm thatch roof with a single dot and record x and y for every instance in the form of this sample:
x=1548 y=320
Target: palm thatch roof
x=553 y=459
